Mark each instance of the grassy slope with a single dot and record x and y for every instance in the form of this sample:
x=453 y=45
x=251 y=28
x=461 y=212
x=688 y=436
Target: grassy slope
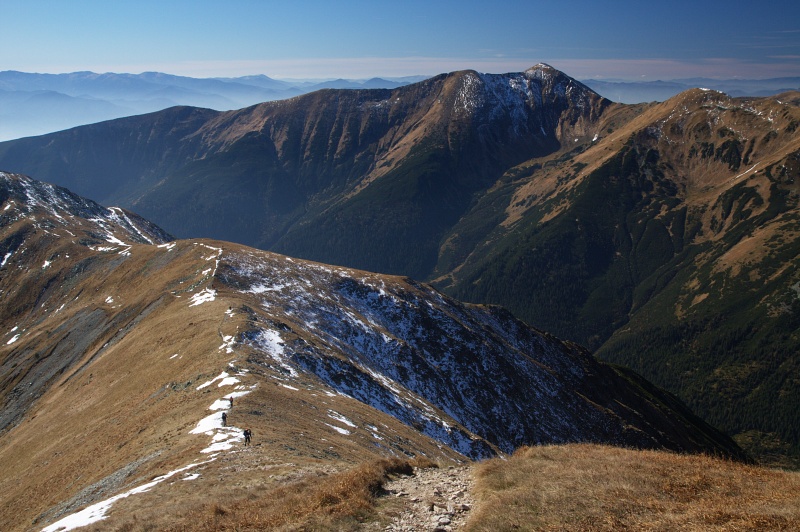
x=590 y=487
x=120 y=415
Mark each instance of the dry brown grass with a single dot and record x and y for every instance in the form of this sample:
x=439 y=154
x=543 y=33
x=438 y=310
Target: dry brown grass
x=340 y=501
x=592 y=487
x=120 y=414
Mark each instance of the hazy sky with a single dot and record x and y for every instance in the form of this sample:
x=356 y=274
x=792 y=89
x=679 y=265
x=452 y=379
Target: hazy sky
x=354 y=39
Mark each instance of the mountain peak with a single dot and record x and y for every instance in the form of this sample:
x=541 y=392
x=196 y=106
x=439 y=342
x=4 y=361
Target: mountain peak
x=541 y=66
x=543 y=69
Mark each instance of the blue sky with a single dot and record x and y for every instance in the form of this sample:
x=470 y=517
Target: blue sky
x=355 y=39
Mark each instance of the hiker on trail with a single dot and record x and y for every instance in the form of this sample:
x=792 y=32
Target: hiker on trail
x=247 y=434
x=224 y=419
x=231 y=400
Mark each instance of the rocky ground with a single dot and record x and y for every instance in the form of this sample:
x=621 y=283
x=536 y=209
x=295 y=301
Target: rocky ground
x=430 y=500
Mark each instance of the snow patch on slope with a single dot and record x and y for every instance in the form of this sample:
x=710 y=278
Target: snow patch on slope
x=204 y=296
x=97 y=512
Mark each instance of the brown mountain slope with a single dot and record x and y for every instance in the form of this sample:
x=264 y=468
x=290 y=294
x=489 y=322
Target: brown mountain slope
x=669 y=244
x=707 y=141
x=119 y=358
x=105 y=352
x=701 y=143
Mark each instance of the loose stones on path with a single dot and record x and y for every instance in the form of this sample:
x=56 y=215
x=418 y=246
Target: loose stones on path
x=433 y=499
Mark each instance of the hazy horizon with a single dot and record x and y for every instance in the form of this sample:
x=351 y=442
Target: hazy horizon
x=300 y=80
x=356 y=40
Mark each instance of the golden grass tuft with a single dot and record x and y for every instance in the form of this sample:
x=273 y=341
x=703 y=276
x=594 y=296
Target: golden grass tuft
x=594 y=487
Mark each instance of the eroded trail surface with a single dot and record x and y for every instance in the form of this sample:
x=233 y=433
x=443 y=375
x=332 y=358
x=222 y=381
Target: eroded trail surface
x=431 y=500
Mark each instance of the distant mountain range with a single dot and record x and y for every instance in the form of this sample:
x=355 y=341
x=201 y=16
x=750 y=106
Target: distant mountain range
x=35 y=104
x=661 y=236
x=658 y=91
x=116 y=339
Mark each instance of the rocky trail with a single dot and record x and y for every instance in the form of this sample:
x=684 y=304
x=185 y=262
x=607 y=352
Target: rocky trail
x=430 y=500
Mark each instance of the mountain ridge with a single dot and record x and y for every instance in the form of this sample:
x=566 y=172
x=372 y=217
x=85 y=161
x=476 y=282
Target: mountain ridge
x=120 y=346
x=599 y=222
x=301 y=168
x=89 y=97
x=662 y=90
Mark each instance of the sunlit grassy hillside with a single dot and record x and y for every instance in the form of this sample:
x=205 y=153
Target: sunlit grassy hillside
x=593 y=487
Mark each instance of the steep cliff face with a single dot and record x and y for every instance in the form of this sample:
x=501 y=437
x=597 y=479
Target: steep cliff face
x=115 y=340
